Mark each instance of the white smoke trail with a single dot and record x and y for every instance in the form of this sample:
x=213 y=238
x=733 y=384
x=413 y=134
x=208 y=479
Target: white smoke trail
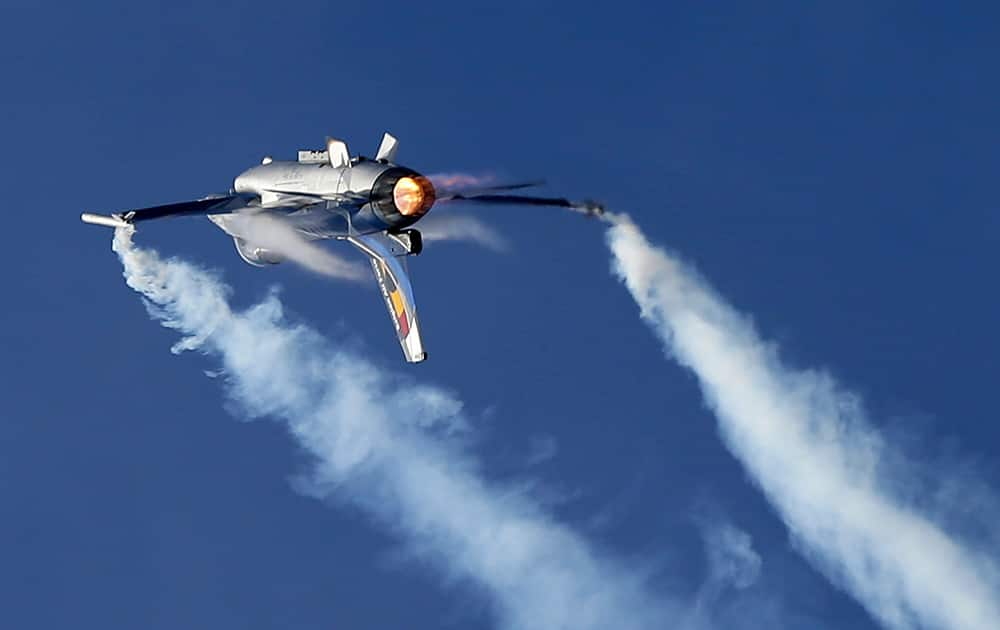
x=268 y=232
x=732 y=561
x=732 y=564
x=448 y=183
x=383 y=445
x=449 y=227
x=809 y=448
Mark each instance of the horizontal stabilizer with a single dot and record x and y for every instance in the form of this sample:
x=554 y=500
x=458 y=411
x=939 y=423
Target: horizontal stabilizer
x=397 y=292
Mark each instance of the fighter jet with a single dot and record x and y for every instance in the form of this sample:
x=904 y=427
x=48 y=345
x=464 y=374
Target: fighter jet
x=372 y=203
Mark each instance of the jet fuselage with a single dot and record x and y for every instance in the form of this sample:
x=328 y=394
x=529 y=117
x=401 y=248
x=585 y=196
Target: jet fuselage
x=392 y=197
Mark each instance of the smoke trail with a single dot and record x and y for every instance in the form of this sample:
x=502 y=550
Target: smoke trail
x=732 y=561
x=447 y=227
x=811 y=451
x=384 y=445
x=732 y=564
x=271 y=233
x=448 y=183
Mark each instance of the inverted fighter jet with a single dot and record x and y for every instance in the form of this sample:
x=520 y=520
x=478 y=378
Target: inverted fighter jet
x=370 y=203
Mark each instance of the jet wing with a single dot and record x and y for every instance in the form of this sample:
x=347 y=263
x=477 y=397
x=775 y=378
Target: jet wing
x=214 y=204
x=390 y=272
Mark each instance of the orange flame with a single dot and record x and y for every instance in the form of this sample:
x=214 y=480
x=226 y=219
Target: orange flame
x=413 y=196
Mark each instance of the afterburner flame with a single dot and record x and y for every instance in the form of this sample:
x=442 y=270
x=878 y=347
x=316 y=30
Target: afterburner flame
x=413 y=196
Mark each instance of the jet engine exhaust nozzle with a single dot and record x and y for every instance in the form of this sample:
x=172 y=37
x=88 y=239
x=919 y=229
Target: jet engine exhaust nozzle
x=413 y=196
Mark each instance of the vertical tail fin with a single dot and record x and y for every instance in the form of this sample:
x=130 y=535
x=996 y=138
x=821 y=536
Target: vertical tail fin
x=387 y=150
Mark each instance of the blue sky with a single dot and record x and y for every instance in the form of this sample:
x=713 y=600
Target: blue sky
x=829 y=170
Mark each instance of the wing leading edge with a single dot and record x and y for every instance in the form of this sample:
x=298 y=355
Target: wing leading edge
x=394 y=283
x=215 y=204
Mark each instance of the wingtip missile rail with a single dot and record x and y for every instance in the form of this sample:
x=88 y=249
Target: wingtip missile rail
x=588 y=208
x=112 y=221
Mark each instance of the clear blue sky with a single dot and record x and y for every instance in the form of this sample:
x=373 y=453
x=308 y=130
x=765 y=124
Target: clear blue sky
x=831 y=170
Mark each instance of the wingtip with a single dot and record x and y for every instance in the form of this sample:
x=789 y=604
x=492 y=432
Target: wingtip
x=590 y=208
x=112 y=221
